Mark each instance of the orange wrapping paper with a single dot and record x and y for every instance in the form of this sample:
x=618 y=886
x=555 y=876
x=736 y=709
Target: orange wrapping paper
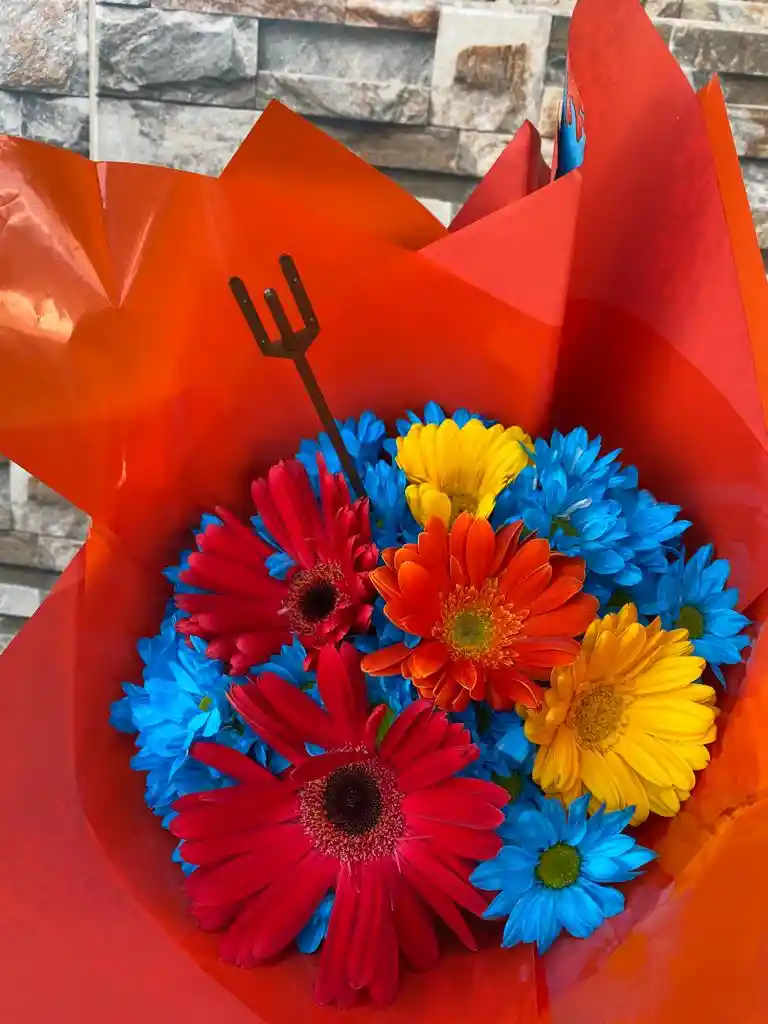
x=629 y=297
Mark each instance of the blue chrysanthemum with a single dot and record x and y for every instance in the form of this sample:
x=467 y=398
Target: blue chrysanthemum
x=433 y=413
x=589 y=507
x=392 y=523
x=692 y=594
x=363 y=438
x=556 y=872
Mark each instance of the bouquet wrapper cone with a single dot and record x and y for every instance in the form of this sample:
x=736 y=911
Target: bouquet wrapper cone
x=628 y=296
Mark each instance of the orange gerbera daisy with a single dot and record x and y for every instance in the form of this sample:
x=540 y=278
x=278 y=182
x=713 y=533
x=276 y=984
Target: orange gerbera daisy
x=494 y=613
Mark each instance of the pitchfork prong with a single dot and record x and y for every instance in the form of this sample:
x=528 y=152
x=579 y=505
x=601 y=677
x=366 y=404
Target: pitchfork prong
x=252 y=318
x=299 y=293
x=287 y=334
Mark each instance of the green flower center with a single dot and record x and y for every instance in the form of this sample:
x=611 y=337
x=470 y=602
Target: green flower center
x=559 y=866
x=472 y=630
x=565 y=525
x=512 y=783
x=691 y=619
x=206 y=703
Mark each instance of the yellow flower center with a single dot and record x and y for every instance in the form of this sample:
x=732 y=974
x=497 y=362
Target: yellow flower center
x=690 y=618
x=479 y=625
x=597 y=716
x=461 y=503
x=559 y=866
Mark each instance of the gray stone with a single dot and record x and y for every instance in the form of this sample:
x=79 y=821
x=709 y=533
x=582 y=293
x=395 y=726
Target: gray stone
x=344 y=72
x=54 y=519
x=316 y=96
x=745 y=90
x=10 y=114
x=40 y=552
x=549 y=114
x=489 y=68
x=663 y=8
x=200 y=139
x=60 y=122
x=554 y=72
x=731 y=12
x=301 y=10
x=755 y=174
x=23 y=590
x=55 y=553
x=44 y=46
x=442 y=209
x=10 y=627
x=416 y=15
x=750 y=130
x=177 y=55
x=479 y=151
x=128 y=3
x=423 y=149
x=5 y=498
x=716 y=48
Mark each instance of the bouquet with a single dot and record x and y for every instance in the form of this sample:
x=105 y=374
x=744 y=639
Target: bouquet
x=453 y=709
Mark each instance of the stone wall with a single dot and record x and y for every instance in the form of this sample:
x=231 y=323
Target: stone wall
x=428 y=90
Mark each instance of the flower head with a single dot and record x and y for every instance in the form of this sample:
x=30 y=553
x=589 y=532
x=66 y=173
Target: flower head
x=453 y=469
x=555 y=871
x=363 y=438
x=384 y=824
x=692 y=595
x=392 y=523
x=627 y=721
x=589 y=507
x=244 y=612
x=492 y=613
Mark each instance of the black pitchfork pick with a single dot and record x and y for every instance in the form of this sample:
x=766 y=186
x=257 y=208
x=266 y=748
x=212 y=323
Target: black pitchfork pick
x=293 y=345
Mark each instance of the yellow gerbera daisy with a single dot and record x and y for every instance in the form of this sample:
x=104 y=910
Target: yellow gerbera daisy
x=627 y=721
x=452 y=469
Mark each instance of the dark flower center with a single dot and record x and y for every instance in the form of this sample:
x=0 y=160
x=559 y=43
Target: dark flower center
x=690 y=618
x=352 y=800
x=318 y=600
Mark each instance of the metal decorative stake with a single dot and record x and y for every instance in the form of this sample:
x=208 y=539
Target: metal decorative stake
x=293 y=345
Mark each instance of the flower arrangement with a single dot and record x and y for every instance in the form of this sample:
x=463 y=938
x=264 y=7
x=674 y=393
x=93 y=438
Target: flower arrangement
x=364 y=716
x=450 y=715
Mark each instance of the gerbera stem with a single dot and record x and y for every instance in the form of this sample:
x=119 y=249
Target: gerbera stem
x=293 y=345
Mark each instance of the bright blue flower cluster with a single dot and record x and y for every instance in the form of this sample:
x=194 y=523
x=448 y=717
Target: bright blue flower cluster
x=557 y=869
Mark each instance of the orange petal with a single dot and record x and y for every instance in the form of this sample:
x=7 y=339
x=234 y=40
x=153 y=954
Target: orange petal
x=407 y=553
x=570 y=619
x=388 y=557
x=508 y=687
x=427 y=658
x=480 y=550
x=546 y=651
x=507 y=540
x=385 y=662
x=419 y=590
x=531 y=555
x=385 y=581
x=458 y=540
x=433 y=552
x=563 y=565
x=458 y=577
x=525 y=591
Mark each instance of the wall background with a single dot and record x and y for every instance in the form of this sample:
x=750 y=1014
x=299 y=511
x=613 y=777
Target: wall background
x=430 y=91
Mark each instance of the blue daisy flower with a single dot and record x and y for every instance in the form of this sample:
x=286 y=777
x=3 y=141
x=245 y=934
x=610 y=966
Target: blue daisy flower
x=588 y=506
x=392 y=523
x=692 y=594
x=433 y=413
x=557 y=870
x=500 y=737
x=363 y=438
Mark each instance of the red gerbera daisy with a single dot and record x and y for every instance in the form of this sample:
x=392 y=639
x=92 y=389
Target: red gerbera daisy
x=384 y=824
x=493 y=613
x=246 y=613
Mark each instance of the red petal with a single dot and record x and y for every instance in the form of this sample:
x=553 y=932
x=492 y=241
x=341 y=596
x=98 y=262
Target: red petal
x=277 y=914
x=546 y=651
x=481 y=546
x=372 y=904
x=212 y=818
x=332 y=985
x=433 y=553
x=507 y=540
x=287 y=709
x=561 y=589
x=218 y=848
x=440 y=903
x=451 y=878
x=571 y=619
x=216 y=919
x=404 y=721
x=471 y=843
x=232 y=763
x=509 y=687
x=532 y=554
x=323 y=764
x=436 y=767
x=415 y=932
x=446 y=803
x=457 y=543
x=342 y=689
x=233 y=880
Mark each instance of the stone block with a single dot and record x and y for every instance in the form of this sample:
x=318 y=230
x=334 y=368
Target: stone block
x=45 y=46
x=720 y=48
x=54 y=519
x=415 y=15
x=442 y=209
x=300 y=10
x=39 y=552
x=755 y=174
x=61 y=122
x=23 y=590
x=192 y=138
x=177 y=55
x=554 y=71
x=422 y=149
x=10 y=626
x=730 y=12
x=750 y=130
x=127 y=3
x=5 y=498
x=744 y=90
x=479 y=151
x=338 y=71
x=663 y=8
x=489 y=68
x=10 y=113
x=549 y=115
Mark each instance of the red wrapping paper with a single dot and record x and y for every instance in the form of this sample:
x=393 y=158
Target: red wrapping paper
x=628 y=297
